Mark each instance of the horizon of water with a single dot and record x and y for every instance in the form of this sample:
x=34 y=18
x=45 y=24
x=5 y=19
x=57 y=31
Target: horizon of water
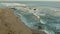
x=51 y=19
x=53 y=4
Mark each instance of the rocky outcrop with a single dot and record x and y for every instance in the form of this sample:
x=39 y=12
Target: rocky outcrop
x=10 y=24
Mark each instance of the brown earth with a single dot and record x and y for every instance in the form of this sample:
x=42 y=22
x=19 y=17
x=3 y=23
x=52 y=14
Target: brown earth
x=10 y=24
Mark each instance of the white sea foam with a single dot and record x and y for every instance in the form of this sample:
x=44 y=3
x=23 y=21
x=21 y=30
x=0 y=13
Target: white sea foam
x=13 y=4
x=28 y=14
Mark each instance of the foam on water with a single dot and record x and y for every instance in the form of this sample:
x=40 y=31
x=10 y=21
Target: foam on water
x=42 y=18
x=49 y=19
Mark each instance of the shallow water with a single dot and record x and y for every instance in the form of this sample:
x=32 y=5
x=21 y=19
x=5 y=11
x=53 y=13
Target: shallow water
x=49 y=20
x=45 y=18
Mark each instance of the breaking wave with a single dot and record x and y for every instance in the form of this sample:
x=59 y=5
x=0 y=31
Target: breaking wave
x=43 y=18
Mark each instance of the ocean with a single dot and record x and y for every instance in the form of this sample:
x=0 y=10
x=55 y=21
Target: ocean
x=42 y=3
x=45 y=18
x=39 y=3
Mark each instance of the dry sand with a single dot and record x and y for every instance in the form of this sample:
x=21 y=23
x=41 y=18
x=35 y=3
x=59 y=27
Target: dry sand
x=10 y=24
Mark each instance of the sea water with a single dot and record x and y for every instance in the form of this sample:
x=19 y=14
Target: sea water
x=45 y=18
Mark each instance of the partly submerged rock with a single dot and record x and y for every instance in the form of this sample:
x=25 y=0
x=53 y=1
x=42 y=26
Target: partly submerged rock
x=10 y=24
